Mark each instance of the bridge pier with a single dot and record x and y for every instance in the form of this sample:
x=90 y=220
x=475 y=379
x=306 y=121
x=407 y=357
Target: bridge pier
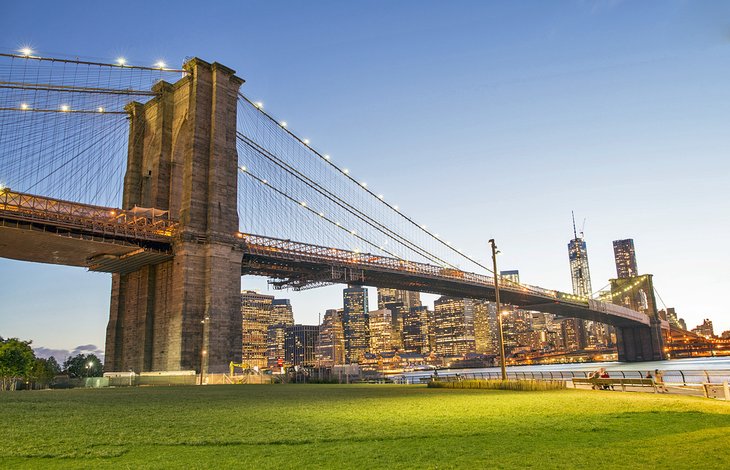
x=184 y=313
x=639 y=343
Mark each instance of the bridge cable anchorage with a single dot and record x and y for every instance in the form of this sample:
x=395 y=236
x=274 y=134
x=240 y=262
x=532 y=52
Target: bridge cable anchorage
x=342 y=203
x=295 y=201
x=344 y=172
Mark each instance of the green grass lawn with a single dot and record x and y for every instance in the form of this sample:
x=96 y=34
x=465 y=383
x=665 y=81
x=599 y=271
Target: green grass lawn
x=360 y=426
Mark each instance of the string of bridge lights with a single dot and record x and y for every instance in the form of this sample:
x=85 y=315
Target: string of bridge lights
x=64 y=108
x=26 y=52
x=284 y=125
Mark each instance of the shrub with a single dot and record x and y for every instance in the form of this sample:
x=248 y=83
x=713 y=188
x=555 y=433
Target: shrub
x=516 y=385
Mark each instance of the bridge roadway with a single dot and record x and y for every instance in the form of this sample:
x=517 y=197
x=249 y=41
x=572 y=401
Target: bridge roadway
x=40 y=229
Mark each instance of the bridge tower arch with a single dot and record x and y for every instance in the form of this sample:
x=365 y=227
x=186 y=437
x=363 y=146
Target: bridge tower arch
x=638 y=343
x=183 y=313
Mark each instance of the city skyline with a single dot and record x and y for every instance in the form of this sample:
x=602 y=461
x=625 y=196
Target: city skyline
x=50 y=295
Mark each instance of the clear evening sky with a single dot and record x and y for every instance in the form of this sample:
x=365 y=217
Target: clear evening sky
x=482 y=119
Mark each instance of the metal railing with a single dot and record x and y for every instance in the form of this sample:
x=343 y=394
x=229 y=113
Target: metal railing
x=670 y=377
x=138 y=223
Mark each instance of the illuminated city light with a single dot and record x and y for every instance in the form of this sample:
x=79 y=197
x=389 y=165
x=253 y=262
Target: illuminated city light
x=121 y=61
x=259 y=104
x=346 y=171
x=306 y=141
x=380 y=196
x=395 y=207
x=304 y=204
x=100 y=109
x=65 y=108
x=160 y=64
x=321 y=214
x=326 y=157
x=364 y=184
x=26 y=51
x=265 y=181
x=242 y=168
x=283 y=124
x=24 y=106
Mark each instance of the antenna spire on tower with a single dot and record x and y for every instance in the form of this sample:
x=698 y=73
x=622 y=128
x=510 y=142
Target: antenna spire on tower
x=575 y=232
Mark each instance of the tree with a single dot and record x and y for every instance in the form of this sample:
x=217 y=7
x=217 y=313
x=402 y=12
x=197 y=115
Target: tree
x=82 y=365
x=16 y=362
x=43 y=372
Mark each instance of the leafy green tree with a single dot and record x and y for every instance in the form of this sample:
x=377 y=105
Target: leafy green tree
x=43 y=372
x=16 y=362
x=82 y=365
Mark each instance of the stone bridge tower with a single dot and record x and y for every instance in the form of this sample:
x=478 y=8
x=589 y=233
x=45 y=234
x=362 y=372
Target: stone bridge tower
x=640 y=343
x=184 y=313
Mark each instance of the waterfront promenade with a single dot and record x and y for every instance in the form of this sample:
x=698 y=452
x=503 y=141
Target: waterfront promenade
x=682 y=376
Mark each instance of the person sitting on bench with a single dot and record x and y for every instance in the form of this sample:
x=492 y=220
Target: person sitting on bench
x=604 y=375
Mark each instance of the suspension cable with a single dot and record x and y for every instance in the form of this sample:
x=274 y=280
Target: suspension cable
x=343 y=204
x=346 y=174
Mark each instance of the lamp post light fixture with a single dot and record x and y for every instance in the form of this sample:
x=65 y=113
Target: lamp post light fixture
x=204 y=348
x=499 y=309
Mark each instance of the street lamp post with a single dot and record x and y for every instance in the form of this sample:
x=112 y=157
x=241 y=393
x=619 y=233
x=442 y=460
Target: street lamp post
x=204 y=349
x=499 y=308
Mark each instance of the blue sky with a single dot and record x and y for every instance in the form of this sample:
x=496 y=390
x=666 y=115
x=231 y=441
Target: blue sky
x=482 y=119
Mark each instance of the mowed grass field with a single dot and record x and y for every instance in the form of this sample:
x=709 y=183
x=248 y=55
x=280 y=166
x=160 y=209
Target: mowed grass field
x=359 y=426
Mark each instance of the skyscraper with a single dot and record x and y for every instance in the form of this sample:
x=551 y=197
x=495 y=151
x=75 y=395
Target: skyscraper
x=574 y=330
x=300 y=343
x=331 y=343
x=625 y=256
x=454 y=326
x=281 y=317
x=485 y=339
x=408 y=298
x=415 y=331
x=256 y=317
x=355 y=323
x=579 y=271
x=510 y=277
x=382 y=333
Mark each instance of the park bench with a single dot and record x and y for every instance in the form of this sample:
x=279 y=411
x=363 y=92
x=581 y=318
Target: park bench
x=623 y=382
x=716 y=390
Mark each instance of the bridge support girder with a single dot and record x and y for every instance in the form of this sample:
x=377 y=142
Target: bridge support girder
x=185 y=313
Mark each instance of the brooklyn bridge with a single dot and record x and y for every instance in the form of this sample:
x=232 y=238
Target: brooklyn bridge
x=177 y=183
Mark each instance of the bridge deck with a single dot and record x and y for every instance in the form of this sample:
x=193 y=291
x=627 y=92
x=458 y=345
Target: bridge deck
x=34 y=228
